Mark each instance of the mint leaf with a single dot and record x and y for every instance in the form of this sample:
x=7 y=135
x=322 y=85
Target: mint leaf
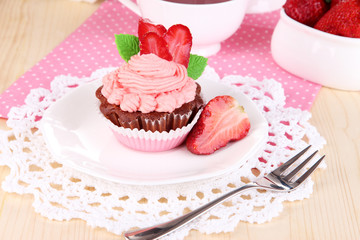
x=196 y=66
x=127 y=45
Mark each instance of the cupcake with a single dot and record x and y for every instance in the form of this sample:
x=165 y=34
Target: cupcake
x=151 y=102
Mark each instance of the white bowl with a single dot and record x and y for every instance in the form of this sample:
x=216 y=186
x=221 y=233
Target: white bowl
x=317 y=56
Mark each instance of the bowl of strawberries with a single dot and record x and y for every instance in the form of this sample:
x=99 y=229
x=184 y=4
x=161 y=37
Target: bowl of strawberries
x=319 y=40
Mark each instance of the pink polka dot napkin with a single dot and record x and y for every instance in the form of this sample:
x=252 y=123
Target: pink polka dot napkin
x=92 y=46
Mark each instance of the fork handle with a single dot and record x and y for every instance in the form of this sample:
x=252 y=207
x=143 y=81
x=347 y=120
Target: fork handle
x=162 y=229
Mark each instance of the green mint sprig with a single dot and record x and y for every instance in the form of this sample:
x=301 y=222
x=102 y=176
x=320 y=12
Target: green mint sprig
x=196 y=66
x=128 y=46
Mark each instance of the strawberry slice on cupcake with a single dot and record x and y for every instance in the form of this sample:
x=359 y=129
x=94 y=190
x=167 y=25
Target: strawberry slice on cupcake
x=153 y=43
x=173 y=44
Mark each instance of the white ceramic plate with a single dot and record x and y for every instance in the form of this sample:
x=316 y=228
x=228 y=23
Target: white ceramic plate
x=78 y=138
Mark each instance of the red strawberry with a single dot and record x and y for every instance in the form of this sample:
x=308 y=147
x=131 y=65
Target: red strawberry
x=179 y=41
x=153 y=43
x=334 y=2
x=307 y=12
x=343 y=19
x=145 y=26
x=222 y=120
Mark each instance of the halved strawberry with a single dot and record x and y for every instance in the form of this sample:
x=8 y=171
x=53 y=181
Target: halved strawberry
x=222 y=120
x=153 y=43
x=179 y=40
x=145 y=26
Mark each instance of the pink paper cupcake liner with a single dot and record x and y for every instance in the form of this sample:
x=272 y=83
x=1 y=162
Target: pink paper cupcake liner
x=148 y=141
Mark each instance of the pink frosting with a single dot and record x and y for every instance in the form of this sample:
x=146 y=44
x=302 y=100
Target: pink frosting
x=148 y=83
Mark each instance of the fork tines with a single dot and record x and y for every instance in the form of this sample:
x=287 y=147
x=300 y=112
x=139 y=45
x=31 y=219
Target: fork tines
x=281 y=170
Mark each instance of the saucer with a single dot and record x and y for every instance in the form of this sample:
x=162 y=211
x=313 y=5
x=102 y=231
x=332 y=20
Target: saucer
x=77 y=137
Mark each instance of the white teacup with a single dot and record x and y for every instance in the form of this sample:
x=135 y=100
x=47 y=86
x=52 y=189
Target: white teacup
x=209 y=23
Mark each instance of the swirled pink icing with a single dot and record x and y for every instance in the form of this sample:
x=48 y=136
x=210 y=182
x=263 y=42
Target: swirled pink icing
x=148 y=83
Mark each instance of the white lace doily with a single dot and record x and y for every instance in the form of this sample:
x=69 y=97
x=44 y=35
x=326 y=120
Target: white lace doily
x=62 y=193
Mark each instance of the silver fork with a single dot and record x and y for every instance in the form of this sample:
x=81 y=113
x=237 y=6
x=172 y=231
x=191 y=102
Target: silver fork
x=277 y=180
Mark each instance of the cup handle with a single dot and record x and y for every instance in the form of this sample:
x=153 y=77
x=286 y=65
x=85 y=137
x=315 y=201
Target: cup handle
x=131 y=5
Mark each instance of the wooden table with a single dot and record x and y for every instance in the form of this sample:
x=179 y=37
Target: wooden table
x=333 y=211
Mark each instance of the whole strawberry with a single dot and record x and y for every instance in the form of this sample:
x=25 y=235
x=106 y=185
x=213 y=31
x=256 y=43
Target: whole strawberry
x=222 y=120
x=307 y=12
x=343 y=19
x=334 y=2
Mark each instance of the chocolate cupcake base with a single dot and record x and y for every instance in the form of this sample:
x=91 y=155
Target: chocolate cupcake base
x=153 y=121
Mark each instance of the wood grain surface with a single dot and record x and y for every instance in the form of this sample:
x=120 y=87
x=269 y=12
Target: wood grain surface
x=29 y=29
